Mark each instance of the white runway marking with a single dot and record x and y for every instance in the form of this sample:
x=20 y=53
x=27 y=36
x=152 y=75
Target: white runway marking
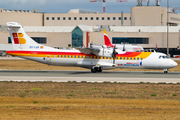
x=89 y=79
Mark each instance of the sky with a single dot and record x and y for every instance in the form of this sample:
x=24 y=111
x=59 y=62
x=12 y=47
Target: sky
x=64 y=6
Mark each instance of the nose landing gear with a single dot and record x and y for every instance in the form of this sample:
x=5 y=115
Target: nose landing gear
x=165 y=70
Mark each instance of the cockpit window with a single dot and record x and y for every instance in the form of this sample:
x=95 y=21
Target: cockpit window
x=163 y=57
x=166 y=57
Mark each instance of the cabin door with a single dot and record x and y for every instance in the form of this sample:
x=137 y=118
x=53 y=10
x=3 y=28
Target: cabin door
x=48 y=59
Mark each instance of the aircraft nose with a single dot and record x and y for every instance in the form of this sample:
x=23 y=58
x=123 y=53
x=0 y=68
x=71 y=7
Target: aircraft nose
x=174 y=64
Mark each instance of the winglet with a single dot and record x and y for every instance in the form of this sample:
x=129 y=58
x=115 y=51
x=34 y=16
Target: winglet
x=106 y=40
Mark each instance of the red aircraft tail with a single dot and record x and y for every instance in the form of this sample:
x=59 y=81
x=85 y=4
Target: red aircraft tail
x=106 y=40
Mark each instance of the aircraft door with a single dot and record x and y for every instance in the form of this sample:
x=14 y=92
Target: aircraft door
x=48 y=59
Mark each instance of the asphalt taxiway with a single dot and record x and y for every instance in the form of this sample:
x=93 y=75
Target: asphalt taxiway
x=79 y=76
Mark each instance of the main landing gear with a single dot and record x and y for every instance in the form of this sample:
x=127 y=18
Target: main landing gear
x=96 y=69
x=165 y=71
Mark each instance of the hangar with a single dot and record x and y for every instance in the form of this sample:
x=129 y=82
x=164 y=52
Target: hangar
x=145 y=26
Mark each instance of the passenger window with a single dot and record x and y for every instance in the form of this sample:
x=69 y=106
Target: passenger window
x=64 y=56
x=159 y=57
x=124 y=58
x=131 y=58
x=163 y=57
x=61 y=56
x=120 y=57
x=134 y=58
x=127 y=58
x=137 y=58
x=141 y=58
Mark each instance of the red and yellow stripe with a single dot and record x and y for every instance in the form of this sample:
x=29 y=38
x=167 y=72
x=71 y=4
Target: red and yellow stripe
x=142 y=55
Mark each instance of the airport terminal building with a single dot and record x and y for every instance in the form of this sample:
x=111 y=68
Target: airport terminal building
x=145 y=26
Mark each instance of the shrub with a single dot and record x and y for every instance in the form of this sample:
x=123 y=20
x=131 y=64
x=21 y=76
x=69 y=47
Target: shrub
x=153 y=95
x=35 y=102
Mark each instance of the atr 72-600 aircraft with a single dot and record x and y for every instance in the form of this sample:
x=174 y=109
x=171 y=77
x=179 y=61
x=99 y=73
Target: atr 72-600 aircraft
x=96 y=59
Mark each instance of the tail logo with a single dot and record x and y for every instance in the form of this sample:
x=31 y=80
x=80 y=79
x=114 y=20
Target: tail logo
x=18 y=38
x=106 y=40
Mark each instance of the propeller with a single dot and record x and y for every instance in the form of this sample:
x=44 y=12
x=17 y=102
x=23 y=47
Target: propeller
x=124 y=49
x=114 y=54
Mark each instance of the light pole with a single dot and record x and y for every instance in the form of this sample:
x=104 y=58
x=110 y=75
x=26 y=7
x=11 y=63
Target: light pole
x=167 y=27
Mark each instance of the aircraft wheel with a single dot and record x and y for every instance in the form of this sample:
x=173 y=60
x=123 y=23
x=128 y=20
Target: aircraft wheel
x=165 y=71
x=99 y=70
x=93 y=70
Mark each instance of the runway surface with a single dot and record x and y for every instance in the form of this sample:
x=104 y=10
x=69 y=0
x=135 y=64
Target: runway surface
x=79 y=76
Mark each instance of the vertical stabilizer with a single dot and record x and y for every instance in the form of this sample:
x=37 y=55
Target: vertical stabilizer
x=20 y=40
x=106 y=40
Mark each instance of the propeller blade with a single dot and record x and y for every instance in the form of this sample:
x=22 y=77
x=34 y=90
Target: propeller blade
x=114 y=54
x=124 y=49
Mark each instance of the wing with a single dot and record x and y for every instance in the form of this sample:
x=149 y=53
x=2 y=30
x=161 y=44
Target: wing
x=86 y=50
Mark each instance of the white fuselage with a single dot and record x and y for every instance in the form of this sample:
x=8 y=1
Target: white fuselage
x=76 y=58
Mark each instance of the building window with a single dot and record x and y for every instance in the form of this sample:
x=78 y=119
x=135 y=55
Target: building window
x=80 y=18
x=69 y=18
x=77 y=37
x=114 y=18
x=91 y=18
x=75 y=18
x=58 y=18
x=125 y=18
x=41 y=40
x=108 y=18
x=97 y=18
x=9 y=40
x=52 y=18
x=64 y=18
x=119 y=18
x=47 y=18
x=102 y=18
x=119 y=40
x=86 y=18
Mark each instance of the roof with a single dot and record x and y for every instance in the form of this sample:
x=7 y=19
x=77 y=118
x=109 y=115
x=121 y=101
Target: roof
x=81 y=11
x=144 y=28
x=48 y=28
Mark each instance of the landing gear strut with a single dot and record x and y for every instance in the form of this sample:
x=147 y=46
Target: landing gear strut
x=165 y=70
x=96 y=69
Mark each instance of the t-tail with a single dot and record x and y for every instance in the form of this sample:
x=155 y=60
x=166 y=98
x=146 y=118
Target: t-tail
x=21 y=41
x=106 y=39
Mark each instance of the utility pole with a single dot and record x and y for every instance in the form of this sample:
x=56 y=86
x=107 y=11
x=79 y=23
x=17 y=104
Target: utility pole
x=167 y=27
